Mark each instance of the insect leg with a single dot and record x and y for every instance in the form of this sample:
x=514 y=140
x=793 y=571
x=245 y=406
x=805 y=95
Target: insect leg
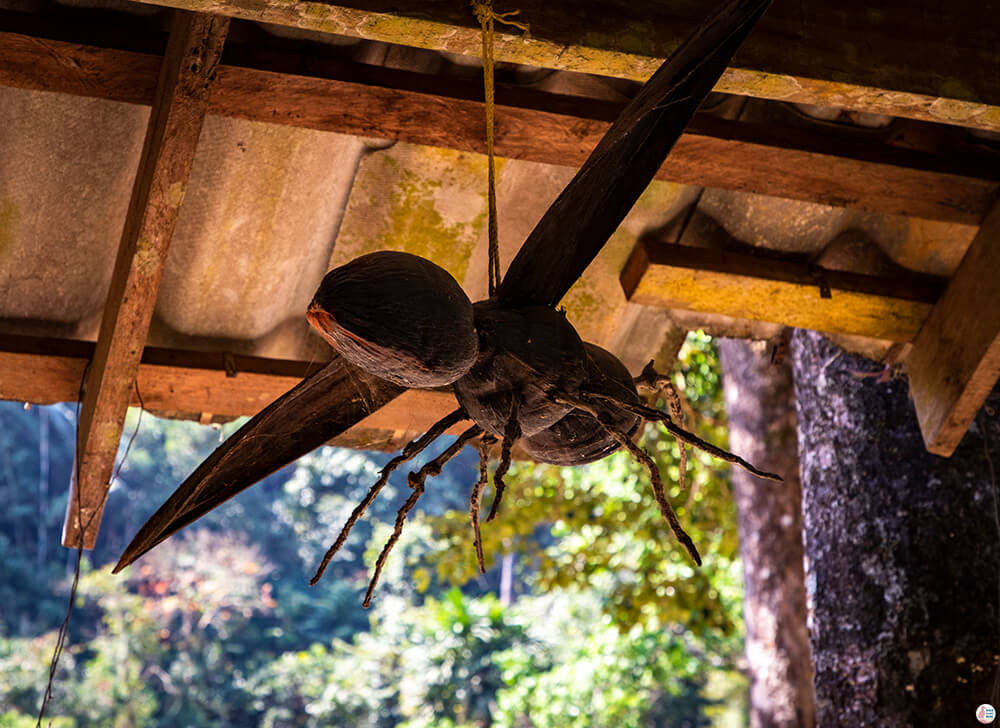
x=477 y=492
x=510 y=435
x=411 y=450
x=417 y=484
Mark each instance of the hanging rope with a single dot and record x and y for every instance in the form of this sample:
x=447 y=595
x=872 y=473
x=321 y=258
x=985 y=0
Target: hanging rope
x=486 y=17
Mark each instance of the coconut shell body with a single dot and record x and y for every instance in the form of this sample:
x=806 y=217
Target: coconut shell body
x=578 y=437
x=525 y=354
x=399 y=317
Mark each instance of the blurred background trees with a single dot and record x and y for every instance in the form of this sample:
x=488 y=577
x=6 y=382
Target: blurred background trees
x=589 y=613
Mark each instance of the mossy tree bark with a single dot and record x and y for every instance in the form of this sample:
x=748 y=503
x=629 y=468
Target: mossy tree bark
x=760 y=405
x=903 y=549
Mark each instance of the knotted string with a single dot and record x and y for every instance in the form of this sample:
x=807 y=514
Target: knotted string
x=486 y=17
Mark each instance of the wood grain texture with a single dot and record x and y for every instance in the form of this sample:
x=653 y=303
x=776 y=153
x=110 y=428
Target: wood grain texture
x=350 y=98
x=578 y=224
x=955 y=360
x=73 y=68
x=179 y=108
x=778 y=291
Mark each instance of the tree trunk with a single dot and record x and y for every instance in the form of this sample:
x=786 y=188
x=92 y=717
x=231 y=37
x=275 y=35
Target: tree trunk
x=903 y=550
x=760 y=406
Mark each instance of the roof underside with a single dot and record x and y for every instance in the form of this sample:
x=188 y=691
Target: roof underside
x=318 y=147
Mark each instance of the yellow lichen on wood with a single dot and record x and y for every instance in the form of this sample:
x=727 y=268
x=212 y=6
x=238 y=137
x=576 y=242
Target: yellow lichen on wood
x=791 y=304
x=631 y=51
x=776 y=291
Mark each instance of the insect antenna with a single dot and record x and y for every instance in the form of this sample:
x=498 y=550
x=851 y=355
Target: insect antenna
x=410 y=451
x=417 y=484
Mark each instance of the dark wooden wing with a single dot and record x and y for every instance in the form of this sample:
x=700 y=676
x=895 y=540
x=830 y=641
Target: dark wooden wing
x=320 y=407
x=567 y=239
x=579 y=223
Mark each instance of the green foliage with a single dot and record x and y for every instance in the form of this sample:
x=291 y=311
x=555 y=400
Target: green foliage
x=24 y=664
x=13 y=719
x=603 y=677
x=431 y=666
x=613 y=626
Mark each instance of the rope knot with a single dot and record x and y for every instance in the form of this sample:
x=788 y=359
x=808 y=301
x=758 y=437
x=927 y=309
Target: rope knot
x=485 y=14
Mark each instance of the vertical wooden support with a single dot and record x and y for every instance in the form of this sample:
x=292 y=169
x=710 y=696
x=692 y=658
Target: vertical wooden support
x=193 y=52
x=955 y=361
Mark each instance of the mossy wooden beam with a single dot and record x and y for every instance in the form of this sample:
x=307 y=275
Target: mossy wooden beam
x=923 y=59
x=759 y=288
x=955 y=361
x=179 y=109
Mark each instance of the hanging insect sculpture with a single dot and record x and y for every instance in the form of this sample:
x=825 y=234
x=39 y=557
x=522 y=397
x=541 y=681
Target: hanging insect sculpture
x=518 y=368
x=517 y=373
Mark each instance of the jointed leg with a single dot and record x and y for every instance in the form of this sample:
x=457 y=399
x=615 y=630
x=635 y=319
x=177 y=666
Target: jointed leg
x=674 y=403
x=417 y=484
x=477 y=492
x=510 y=435
x=412 y=449
x=679 y=432
x=655 y=382
x=659 y=492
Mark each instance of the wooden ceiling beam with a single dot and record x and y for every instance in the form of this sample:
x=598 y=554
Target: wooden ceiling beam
x=351 y=98
x=179 y=109
x=955 y=360
x=918 y=58
x=46 y=371
x=774 y=290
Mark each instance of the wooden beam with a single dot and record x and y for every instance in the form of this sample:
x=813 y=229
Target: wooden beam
x=713 y=152
x=307 y=91
x=179 y=109
x=44 y=64
x=46 y=371
x=897 y=59
x=955 y=361
x=776 y=290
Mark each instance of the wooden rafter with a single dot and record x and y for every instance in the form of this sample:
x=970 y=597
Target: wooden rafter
x=179 y=108
x=192 y=383
x=759 y=288
x=531 y=125
x=922 y=58
x=955 y=361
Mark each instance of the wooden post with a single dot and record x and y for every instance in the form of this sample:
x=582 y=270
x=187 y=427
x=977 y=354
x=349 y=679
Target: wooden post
x=175 y=123
x=955 y=359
